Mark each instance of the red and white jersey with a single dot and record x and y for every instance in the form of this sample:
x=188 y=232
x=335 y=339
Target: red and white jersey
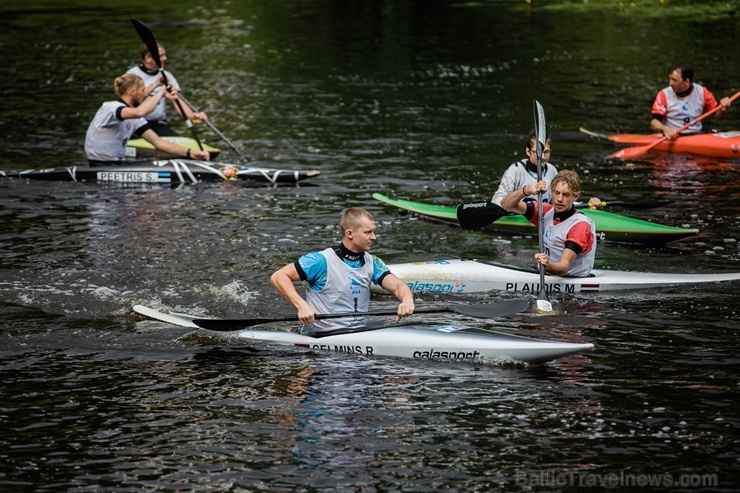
x=577 y=229
x=678 y=111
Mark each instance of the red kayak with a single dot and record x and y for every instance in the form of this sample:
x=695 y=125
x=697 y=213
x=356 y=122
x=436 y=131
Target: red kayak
x=725 y=145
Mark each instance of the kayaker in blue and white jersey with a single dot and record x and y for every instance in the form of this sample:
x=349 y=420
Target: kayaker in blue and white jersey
x=339 y=277
x=524 y=172
x=682 y=102
x=149 y=72
x=116 y=121
x=569 y=235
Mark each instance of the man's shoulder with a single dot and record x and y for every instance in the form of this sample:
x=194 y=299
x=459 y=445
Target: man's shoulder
x=135 y=70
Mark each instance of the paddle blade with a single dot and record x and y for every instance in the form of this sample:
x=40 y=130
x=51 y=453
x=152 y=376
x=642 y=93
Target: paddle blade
x=148 y=39
x=492 y=310
x=477 y=215
x=633 y=152
x=544 y=306
x=540 y=128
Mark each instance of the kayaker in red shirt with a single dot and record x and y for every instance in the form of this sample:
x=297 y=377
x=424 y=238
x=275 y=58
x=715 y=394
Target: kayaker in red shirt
x=681 y=102
x=569 y=235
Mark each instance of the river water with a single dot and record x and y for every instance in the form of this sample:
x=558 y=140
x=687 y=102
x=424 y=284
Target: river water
x=422 y=100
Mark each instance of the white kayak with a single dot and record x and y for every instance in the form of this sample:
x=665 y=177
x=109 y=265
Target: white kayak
x=473 y=276
x=415 y=341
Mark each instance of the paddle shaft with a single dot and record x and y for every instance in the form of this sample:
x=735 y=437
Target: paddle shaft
x=151 y=44
x=213 y=127
x=633 y=152
x=490 y=310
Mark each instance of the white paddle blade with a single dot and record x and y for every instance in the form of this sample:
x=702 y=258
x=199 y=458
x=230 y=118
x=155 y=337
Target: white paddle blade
x=540 y=128
x=544 y=306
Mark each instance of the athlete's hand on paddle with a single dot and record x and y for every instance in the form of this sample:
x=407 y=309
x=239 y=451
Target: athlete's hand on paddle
x=542 y=258
x=534 y=189
x=307 y=314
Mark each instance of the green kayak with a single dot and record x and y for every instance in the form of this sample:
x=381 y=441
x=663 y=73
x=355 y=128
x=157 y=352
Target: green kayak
x=609 y=226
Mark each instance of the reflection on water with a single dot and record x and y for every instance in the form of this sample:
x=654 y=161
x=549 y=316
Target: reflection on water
x=419 y=100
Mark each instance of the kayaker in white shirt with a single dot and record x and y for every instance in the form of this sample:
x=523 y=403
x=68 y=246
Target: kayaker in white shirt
x=524 y=172
x=116 y=121
x=149 y=72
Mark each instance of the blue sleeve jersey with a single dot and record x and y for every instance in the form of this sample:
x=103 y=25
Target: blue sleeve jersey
x=314 y=268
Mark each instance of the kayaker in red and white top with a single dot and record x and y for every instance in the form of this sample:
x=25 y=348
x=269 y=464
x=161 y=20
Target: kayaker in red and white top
x=683 y=101
x=569 y=236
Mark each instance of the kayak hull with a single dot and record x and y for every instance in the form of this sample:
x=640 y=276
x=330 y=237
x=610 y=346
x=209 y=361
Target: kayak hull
x=165 y=171
x=415 y=341
x=473 y=276
x=436 y=342
x=142 y=148
x=609 y=226
x=724 y=145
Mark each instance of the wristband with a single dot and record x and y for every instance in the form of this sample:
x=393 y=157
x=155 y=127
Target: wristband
x=523 y=192
x=187 y=154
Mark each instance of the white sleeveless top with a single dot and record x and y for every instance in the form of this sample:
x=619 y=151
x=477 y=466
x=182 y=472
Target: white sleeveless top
x=347 y=289
x=555 y=236
x=517 y=176
x=159 y=113
x=680 y=111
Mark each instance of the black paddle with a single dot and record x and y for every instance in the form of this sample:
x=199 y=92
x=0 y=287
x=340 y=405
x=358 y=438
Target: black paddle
x=477 y=215
x=151 y=44
x=540 y=129
x=489 y=310
x=213 y=127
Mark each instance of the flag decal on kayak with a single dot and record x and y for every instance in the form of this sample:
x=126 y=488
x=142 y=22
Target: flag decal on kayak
x=447 y=328
x=589 y=288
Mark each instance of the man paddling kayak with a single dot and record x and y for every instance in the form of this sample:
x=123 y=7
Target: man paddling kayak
x=683 y=101
x=339 y=277
x=116 y=121
x=524 y=172
x=569 y=236
x=149 y=72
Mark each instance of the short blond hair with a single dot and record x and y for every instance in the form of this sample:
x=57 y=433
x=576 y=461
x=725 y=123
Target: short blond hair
x=352 y=218
x=568 y=177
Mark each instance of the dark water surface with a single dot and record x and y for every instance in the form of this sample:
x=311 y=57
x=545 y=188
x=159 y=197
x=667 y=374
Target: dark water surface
x=420 y=100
